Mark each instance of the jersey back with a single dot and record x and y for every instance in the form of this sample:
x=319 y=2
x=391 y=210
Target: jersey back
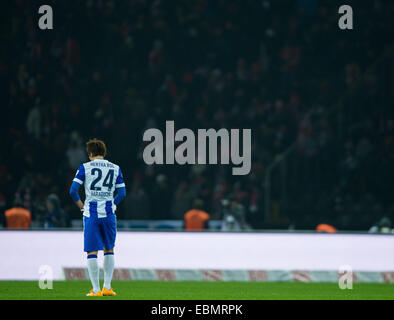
x=101 y=179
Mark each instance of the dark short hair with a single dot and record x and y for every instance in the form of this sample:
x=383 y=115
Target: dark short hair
x=95 y=147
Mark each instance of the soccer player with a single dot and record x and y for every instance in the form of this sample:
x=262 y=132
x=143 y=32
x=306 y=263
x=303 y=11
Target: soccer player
x=101 y=179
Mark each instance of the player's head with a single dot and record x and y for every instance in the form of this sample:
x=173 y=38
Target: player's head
x=96 y=148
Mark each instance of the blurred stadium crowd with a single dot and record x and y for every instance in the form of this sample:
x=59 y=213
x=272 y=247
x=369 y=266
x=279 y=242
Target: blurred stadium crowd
x=112 y=69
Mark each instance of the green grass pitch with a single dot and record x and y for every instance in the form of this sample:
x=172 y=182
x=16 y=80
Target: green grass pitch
x=167 y=290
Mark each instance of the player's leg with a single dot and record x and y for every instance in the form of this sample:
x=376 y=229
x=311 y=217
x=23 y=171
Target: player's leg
x=109 y=265
x=109 y=232
x=92 y=243
x=94 y=273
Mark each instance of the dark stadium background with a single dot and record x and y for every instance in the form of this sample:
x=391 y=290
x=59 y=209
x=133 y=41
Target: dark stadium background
x=319 y=101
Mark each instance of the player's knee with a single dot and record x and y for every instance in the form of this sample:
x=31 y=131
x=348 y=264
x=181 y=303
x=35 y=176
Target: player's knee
x=108 y=250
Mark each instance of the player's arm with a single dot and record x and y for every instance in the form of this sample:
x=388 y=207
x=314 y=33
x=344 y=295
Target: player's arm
x=76 y=184
x=120 y=188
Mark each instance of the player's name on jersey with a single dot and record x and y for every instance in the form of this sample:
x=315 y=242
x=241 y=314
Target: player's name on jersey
x=101 y=164
x=100 y=193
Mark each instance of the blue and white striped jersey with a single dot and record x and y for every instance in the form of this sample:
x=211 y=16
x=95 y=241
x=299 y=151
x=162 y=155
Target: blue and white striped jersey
x=101 y=179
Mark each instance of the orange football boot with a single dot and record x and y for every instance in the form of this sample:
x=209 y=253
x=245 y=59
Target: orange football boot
x=107 y=292
x=92 y=294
